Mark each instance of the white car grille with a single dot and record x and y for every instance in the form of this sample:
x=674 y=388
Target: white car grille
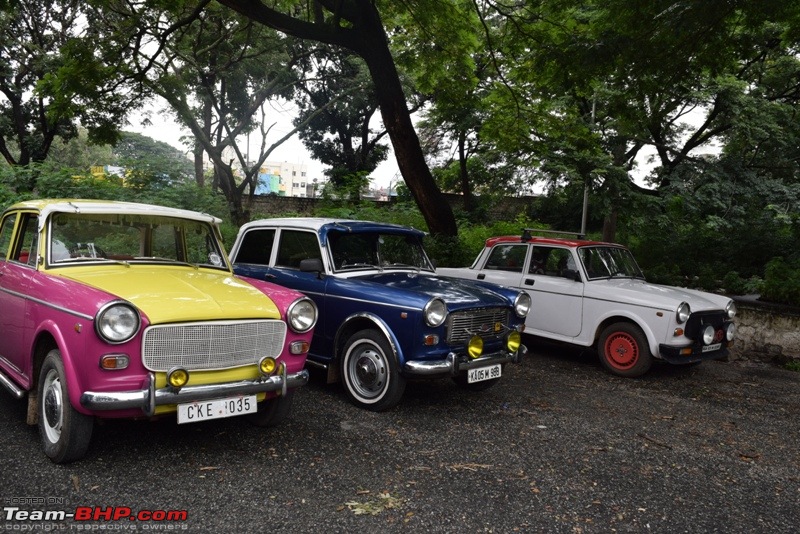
x=463 y=325
x=211 y=345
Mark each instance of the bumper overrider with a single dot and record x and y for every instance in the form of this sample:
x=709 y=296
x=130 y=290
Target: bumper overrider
x=147 y=398
x=454 y=363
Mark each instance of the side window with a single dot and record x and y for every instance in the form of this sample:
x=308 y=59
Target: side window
x=296 y=246
x=507 y=258
x=256 y=247
x=28 y=249
x=551 y=261
x=5 y=235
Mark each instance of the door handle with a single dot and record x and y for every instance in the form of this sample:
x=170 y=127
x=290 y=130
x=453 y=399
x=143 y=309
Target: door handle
x=270 y=276
x=529 y=281
x=481 y=276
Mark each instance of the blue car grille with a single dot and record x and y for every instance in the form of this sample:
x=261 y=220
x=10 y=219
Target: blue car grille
x=211 y=345
x=462 y=325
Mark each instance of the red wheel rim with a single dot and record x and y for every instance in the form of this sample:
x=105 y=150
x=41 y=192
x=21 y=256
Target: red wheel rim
x=621 y=351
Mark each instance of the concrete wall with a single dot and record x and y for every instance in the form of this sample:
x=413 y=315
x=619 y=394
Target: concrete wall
x=766 y=332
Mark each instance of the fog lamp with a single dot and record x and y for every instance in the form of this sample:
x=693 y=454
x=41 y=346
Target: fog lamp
x=475 y=347
x=267 y=365
x=730 y=332
x=708 y=335
x=513 y=341
x=178 y=377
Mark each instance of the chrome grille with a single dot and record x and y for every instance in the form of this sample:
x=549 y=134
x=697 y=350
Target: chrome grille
x=464 y=324
x=211 y=345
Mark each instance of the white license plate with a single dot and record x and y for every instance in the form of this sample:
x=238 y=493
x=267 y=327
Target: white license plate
x=715 y=346
x=216 y=409
x=484 y=373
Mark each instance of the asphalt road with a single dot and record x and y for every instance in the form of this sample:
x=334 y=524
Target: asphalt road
x=558 y=446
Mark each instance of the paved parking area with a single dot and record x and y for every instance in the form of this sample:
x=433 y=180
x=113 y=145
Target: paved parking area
x=558 y=446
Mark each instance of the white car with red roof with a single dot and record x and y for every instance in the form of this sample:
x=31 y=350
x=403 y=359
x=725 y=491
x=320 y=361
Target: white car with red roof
x=593 y=294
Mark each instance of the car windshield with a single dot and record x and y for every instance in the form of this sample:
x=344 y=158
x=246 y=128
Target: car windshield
x=372 y=250
x=609 y=262
x=91 y=237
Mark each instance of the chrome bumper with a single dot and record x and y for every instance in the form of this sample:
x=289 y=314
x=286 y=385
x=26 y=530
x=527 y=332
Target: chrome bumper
x=149 y=397
x=454 y=364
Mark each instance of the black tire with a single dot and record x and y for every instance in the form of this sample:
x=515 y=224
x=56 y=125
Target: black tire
x=624 y=351
x=370 y=372
x=461 y=381
x=272 y=412
x=65 y=432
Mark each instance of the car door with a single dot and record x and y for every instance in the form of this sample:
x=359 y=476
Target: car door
x=20 y=248
x=557 y=297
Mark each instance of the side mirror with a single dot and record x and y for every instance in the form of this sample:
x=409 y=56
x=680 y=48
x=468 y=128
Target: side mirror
x=311 y=265
x=571 y=274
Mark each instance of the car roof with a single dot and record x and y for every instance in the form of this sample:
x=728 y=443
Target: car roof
x=573 y=243
x=46 y=207
x=325 y=225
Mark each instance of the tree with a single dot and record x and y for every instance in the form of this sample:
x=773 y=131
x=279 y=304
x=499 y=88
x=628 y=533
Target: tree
x=216 y=70
x=356 y=25
x=52 y=79
x=340 y=135
x=150 y=163
x=599 y=81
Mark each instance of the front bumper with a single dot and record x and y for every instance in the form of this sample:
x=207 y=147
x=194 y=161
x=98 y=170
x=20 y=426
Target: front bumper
x=453 y=364
x=147 y=398
x=674 y=355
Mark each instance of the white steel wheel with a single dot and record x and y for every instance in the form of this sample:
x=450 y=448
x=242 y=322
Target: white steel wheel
x=370 y=372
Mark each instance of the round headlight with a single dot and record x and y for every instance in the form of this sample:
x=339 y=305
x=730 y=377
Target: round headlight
x=684 y=311
x=117 y=322
x=730 y=331
x=435 y=312
x=522 y=304
x=302 y=315
x=730 y=310
x=708 y=335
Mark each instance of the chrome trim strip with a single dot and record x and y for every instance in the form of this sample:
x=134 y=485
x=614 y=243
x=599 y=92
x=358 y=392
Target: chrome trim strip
x=48 y=304
x=12 y=388
x=148 y=398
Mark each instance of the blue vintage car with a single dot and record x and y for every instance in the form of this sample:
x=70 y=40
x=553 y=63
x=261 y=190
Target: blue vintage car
x=385 y=316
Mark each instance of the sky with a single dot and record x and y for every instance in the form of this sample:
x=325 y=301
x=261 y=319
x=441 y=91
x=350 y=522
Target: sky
x=164 y=128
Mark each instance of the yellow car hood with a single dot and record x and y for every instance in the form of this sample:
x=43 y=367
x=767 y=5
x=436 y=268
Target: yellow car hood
x=168 y=294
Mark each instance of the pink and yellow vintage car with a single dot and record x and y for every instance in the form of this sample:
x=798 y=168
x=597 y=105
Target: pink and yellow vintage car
x=114 y=309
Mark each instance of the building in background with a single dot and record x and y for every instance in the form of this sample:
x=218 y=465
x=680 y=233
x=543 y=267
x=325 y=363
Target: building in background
x=286 y=179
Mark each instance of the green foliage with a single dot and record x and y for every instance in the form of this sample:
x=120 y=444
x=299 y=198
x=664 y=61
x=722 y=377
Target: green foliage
x=793 y=365
x=782 y=282
x=733 y=284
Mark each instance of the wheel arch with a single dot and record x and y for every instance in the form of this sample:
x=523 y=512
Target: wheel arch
x=48 y=337
x=363 y=321
x=646 y=330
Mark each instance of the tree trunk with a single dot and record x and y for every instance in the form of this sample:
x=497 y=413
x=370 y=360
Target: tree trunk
x=366 y=37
